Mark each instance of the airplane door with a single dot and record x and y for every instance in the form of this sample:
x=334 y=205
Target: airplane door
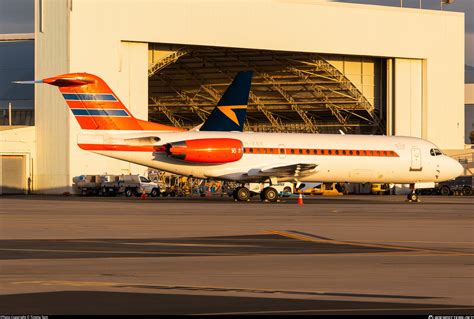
x=281 y=150
x=415 y=159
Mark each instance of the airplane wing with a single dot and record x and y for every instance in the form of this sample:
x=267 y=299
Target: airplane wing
x=291 y=170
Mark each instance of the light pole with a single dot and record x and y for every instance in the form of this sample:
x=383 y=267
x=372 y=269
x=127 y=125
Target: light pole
x=445 y=2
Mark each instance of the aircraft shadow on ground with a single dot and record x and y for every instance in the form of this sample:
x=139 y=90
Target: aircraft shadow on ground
x=264 y=244
x=105 y=302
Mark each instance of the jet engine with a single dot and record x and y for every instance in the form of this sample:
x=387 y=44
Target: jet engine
x=206 y=150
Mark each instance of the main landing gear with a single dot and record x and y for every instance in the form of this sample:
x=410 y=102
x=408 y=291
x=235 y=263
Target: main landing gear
x=269 y=194
x=412 y=197
x=242 y=194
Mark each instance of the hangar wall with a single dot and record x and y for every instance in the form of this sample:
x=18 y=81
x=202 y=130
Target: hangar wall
x=408 y=97
x=51 y=117
x=97 y=30
x=363 y=73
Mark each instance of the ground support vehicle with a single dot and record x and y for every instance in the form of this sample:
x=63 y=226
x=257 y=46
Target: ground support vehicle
x=88 y=184
x=111 y=185
x=326 y=189
x=266 y=191
x=461 y=185
x=380 y=189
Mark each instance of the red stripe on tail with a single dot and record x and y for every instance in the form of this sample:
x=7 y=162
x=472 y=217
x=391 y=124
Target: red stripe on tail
x=95 y=105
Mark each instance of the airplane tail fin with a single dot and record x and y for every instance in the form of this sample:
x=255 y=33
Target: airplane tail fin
x=230 y=112
x=95 y=106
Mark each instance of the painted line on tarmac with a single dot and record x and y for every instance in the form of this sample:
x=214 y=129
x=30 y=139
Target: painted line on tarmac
x=320 y=240
x=419 y=242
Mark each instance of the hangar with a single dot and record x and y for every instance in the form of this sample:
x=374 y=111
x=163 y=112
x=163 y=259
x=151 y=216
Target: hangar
x=320 y=67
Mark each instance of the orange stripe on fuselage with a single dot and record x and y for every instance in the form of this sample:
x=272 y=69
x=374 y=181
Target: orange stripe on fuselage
x=325 y=151
x=250 y=150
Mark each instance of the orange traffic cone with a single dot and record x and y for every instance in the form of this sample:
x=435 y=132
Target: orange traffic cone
x=144 y=196
x=300 y=199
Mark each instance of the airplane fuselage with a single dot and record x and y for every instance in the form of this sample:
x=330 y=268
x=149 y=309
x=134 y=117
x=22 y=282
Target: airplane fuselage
x=338 y=158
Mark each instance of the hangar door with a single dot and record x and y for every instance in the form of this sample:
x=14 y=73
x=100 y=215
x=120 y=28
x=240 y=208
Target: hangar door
x=12 y=174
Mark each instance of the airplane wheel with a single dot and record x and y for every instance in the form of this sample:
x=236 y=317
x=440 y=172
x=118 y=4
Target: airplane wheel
x=413 y=197
x=155 y=192
x=466 y=191
x=128 y=192
x=445 y=191
x=270 y=194
x=242 y=194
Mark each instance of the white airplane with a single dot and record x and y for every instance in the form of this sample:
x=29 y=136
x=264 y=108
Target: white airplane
x=109 y=129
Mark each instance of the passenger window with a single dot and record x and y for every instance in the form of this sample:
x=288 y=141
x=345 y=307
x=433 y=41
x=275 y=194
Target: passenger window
x=307 y=151
x=282 y=151
x=292 y=151
x=301 y=151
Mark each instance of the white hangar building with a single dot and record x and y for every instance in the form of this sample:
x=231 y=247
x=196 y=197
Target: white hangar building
x=318 y=67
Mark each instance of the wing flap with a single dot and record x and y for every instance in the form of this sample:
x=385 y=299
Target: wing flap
x=290 y=170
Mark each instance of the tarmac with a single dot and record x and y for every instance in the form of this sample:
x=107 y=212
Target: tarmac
x=333 y=255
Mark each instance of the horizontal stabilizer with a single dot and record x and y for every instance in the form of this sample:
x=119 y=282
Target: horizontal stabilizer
x=28 y=82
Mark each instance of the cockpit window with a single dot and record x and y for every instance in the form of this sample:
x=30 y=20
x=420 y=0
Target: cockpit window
x=435 y=152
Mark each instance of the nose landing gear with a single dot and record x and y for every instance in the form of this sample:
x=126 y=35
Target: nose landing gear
x=413 y=196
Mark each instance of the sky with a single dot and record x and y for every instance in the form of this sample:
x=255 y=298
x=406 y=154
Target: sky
x=16 y=16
